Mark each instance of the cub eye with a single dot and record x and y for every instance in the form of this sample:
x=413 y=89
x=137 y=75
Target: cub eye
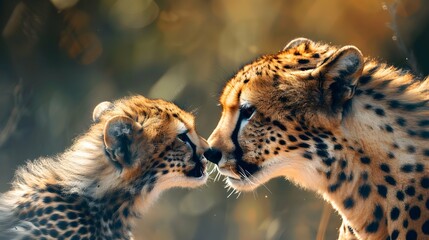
x=183 y=137
x=247 y=111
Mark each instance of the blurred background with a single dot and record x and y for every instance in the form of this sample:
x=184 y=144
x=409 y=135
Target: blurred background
x=59 y=58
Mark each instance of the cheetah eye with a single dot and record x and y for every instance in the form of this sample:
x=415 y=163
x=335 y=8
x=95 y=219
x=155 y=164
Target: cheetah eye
x=183 y=137
x=246 y=112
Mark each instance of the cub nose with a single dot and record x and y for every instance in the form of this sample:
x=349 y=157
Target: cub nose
x=213 y=155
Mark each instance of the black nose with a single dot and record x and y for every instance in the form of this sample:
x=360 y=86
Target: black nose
x=213 y=155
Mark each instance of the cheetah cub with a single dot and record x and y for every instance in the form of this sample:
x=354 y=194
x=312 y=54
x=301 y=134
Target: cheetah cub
x=135 y=149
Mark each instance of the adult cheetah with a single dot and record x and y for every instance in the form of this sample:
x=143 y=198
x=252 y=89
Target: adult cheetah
x=350 y=128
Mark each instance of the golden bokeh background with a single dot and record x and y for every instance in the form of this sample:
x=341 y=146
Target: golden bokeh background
x=59 y=58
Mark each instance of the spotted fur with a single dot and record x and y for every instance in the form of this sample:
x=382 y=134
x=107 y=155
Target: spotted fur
x=350 y=128
x=135 y=149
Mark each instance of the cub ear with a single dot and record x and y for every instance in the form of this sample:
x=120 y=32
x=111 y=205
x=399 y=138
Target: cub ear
x=338 y=76
x=119 y=132
x=100 y=109
x=297 y=42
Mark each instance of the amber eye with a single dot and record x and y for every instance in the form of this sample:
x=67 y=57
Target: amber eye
x=247 y=111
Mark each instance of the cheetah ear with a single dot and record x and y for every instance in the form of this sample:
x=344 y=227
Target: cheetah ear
x=338 y=76
x=119 y=132
x=100 y=109
x=297 y=42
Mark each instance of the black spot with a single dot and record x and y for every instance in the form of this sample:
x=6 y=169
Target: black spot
x=364 y=79
x=338 y=147
x=394 y=213
x=405 y=223
x=365 y=160
x=62 y=225
x=385 y=168
x=378 y=212
x=304 y=145
x=423 y=123
x=315 y=55
x=410 y=191
x=394 y=235
x=328 y=174
x=368 y=106
x=424 y=134
x=49 y=210
x=425 y=182
x=411 y=235
x=53 y=233
x=71 y=215
x=246 y=81
x=341 y=177
x=83 y=230
x=292 y=138
x=426 y=152
x=43 y=221
x=47 y=199
x=348 y=203
x=411 y=149
x=380 y=112
x=425 y=227
x=388 y=128
x=308 y=155
x=411 y=132
x=400 y=195
x=390 y=180
x=303 y=137
x=328 y=161
x=372 y=227
x=334 y=187
x=391 y=155
x=394 y=104
x=378 y=96
x=303 y=61
x=401 y=121
x=364 y=191
x=282 y=142
x=279 y=125
x=322 y=153
x=407 y=168
x=414 y=106
x=420 y=167
x=75 y=237
x=364 y=175
x=343 y=164
x=39 y=212
x=54 y=217
x=321 y=146
x=414 y=212
x=382 y=190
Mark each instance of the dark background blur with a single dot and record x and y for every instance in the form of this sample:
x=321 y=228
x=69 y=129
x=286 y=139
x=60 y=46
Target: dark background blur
x=59 y=58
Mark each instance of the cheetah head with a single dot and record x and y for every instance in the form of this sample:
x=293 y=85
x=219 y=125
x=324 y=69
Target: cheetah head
x=276 y=110
x=148 y=146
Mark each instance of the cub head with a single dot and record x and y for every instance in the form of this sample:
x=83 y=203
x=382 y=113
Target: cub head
x=278 y=112
x=147 y=146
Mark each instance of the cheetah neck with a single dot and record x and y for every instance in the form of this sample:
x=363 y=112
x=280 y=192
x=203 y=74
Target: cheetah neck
x=385 y=149
x=84 y=170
